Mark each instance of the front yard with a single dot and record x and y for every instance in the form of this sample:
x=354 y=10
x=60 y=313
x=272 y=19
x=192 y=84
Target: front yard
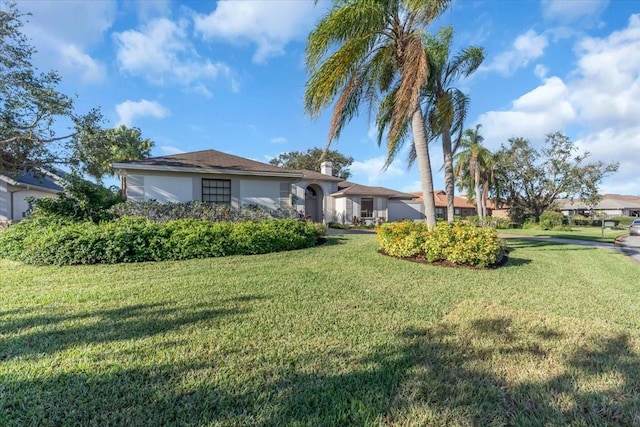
x=332 y=335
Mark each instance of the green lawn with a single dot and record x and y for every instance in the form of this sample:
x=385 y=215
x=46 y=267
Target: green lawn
x=333 y=335
x=576 y=233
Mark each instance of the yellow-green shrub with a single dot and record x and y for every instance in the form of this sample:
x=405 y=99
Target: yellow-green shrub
x=460 y=243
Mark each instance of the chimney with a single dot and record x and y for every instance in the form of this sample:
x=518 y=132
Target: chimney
x=326 y=168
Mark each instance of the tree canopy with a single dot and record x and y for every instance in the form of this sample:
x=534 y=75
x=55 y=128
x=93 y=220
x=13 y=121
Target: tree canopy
x=529 y=181
x=94 y=151
x=372 y=53
x=311 y=160
x=31 y=106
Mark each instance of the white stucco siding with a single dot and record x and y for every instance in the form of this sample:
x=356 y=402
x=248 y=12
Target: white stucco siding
x=176 y=189
x=260 y=192
x=399 y=210
x=21 y=206
x=5 y=202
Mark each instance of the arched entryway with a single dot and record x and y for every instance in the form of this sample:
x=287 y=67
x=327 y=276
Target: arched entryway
x=313 y=197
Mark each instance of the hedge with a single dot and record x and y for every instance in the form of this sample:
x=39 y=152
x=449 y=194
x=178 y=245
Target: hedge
x=460 y=243
x=127 y=239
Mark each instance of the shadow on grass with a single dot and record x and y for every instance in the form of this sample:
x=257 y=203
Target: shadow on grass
x=56 y=332
x=485 y=370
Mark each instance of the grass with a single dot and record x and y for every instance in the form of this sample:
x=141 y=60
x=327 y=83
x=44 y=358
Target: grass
x=333 y=335
x=576 y=233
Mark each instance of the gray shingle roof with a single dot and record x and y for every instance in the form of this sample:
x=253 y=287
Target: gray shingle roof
x=346 y=188
x=207 y=159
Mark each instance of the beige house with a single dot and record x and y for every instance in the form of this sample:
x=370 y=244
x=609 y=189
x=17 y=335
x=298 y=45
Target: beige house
x=212 y=176
x=611 y=205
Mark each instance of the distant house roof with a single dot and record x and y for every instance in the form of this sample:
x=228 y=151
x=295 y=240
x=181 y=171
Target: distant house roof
x=41 y=180
x=440 y=199
x=207 y=161
x=609 y=201
x=346 y=188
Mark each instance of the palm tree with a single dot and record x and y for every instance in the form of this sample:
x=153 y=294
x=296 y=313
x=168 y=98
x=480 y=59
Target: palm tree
x=473 y=167
x=446 y=106
x=373 y=52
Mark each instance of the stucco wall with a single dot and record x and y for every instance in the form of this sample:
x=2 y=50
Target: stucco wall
x=5 y=202
x=399 y=210
x=260 y=192
x=177 y=189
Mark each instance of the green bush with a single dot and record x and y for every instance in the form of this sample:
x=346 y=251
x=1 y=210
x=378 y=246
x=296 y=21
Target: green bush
x=163 y=212
x=40 y=242
x=81 y=201
x=580 y=220
x=623 y=221
x=460 y=243
x=550 y=220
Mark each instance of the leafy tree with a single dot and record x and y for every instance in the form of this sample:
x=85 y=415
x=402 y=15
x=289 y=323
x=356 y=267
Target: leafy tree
x=474 y=168
x=311 y=160
x=95 y=150
x=446 y=106
x=30 y=104
x=530 y=180
x=373 y=52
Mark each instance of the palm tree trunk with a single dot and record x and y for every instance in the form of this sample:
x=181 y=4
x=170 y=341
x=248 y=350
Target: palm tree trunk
x=424 y=166
x=478 y=190
x=448 y=171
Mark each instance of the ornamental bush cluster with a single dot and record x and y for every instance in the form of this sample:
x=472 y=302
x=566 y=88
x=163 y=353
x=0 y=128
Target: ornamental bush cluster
x=460 y=243
x=162 y=212
x=43 y=242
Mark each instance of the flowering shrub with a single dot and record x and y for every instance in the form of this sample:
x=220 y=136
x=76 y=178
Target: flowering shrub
x=460 y=243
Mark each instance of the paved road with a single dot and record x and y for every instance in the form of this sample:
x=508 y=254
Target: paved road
x=628 y=245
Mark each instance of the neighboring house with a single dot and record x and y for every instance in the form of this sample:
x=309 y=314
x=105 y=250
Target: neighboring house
x=461 y=207
x=611 y=205
x=212 y=176
x=15 y=189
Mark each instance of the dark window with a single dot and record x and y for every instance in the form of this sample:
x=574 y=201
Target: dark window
x=366 y=208
x=216 y=191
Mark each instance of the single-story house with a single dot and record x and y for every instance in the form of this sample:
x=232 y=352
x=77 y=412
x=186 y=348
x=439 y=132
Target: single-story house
x=212 y=176
x=461 y=207
x=15 y=189
x=610 y=205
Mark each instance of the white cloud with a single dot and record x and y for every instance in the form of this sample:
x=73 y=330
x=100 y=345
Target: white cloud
x=170 y=149
x=573 y=10
x=526 y=48
x=540 y=71
x=600 y=101
x=162 y=53
x=279 y=140
x=90 y=70
x=66 y=31
x=129 y=110
x=372 y=170
x=270 y=25
x=412 y=187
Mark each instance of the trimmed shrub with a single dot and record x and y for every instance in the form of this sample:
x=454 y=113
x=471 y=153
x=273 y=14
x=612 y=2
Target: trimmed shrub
x=139 y=239
x=581 y=220
x=163 y=212
x=459 y=243
x=550 y=220
x=402 y=239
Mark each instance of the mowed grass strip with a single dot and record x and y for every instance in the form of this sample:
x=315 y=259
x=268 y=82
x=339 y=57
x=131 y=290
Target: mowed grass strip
x=332 y=335
x=596 y=234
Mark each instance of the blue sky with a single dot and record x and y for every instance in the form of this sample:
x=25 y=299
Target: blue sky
x=230 y=75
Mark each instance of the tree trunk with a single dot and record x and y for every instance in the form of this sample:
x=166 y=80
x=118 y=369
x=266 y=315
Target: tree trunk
x=478 y=190
x=448 y=171
x=424 y=166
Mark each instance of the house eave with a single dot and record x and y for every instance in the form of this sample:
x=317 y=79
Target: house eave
x=123 y=167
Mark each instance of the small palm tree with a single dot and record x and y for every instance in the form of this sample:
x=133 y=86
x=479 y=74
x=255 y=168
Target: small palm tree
x=446 y=106
x=474 y=168
x=373 y=52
